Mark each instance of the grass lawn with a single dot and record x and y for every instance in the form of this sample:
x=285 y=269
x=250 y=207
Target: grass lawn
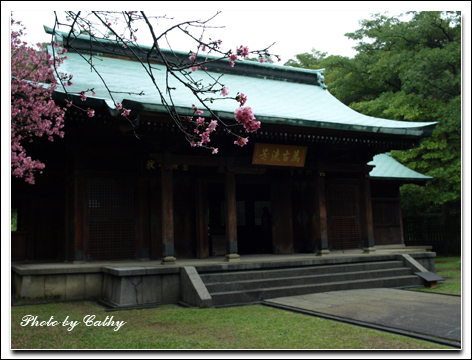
x=450 y=269
x=174 y=327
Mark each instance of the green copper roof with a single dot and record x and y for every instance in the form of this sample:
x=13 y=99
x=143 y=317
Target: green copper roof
x=387 y=168
x=277 y=94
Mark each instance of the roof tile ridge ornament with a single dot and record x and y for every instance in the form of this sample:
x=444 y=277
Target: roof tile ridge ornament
x=320 y=78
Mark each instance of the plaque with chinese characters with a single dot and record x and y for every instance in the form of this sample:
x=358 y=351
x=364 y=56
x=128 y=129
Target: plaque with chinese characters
x=279 y=155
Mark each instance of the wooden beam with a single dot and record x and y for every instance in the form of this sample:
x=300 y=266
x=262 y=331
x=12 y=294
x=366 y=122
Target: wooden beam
x=367 y=223
x=231 y=217
x=400 y=216
x=337 y=167
x=321 y=228
x=191 y=160
x=167 y=192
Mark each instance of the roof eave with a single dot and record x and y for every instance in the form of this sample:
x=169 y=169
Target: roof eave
x=187 y=111
x=421 y=182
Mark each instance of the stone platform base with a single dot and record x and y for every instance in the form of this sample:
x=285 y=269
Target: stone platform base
x=137 y=284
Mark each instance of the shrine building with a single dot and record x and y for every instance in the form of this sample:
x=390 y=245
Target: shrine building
x=316 y=177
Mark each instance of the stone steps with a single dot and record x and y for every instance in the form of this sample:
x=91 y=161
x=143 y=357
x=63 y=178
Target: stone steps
x=294 y=271
x=303 y=280
x=232 y=288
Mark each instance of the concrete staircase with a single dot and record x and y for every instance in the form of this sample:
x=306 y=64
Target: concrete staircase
x=240 y=287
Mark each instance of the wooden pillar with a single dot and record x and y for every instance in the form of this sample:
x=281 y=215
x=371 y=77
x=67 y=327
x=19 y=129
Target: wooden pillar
x=203 y=246
x=80 y=199
x=143 y=227
x=310 y=206
x=167 y=215
x=282 y=224
x=231 y=218
x=321 y=228
x=400 y=215
x=367 y=223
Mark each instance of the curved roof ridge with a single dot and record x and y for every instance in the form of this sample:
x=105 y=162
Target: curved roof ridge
x=218 y=63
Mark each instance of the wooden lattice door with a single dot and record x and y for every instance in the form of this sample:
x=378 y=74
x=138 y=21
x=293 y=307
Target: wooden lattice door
x=111 y=219
x=344 y=230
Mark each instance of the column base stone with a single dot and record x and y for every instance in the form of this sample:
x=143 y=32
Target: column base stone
x=168 y=260
x=232 y=258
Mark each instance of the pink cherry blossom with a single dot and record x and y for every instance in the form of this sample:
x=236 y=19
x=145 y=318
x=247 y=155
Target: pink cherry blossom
x=241 y=98
x=241 y=141
x=82 y=95
x=198 y=112
x=214 y=151
x=200 y=121
x=212 y=126
x=246 y=117
x=125 y=112
x=119 y=106
x=90 y=112
x=232 y=58
x=33 y=112
x=205 y=137
x=224 y=91
x=193 y=56
x=242 y=51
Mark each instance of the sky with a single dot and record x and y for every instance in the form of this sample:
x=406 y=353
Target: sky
x=293 y=31
x=295 y=27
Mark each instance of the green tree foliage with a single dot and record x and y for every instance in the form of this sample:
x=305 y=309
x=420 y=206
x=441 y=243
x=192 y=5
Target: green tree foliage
x=14 y=219
x=316 y=60
x=409 y=71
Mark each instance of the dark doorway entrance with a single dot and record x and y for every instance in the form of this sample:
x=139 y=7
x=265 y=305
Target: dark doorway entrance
x=253 y=210
x=216 y=219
